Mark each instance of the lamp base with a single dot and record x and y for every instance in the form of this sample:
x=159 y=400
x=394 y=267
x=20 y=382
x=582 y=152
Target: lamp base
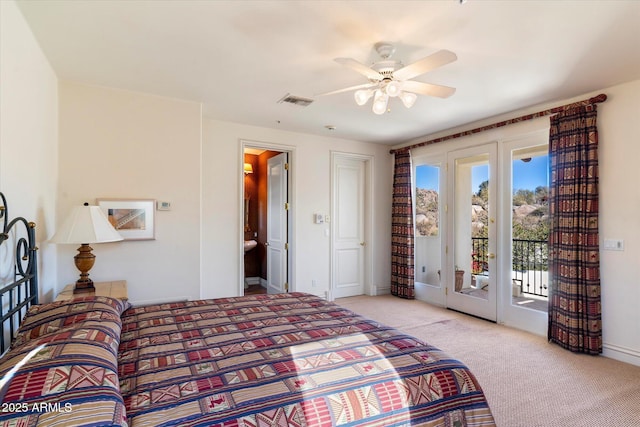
x=84 y=286
x=84 y=261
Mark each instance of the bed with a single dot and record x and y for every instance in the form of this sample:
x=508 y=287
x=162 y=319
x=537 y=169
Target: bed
x=262 y=360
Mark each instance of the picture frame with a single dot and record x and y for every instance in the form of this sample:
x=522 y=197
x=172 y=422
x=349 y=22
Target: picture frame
x=134 y=219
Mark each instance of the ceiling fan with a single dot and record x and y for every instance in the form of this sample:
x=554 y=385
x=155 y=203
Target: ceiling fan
x=390 y=78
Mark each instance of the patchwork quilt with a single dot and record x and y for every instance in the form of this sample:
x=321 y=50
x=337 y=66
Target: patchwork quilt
x=285 y=360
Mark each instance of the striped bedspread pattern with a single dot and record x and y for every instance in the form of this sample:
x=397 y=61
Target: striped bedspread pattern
x=285 y=360
x=71 y=378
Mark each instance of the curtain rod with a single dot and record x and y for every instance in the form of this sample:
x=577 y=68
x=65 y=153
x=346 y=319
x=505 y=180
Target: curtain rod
x=596 y=99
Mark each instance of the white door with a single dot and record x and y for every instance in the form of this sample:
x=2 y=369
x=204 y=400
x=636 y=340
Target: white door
x=472 y=205
x=348 y=226
x=277 y=224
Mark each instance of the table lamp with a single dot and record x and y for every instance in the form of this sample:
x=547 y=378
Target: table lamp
x=85 y=225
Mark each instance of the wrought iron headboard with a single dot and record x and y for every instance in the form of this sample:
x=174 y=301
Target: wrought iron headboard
x=17 y=248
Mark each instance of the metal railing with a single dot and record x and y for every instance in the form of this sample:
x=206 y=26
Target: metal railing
x=529 y=264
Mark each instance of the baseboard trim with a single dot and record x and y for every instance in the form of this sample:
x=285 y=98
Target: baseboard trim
x=622 y=354
x=382 y=290
x=252 y=280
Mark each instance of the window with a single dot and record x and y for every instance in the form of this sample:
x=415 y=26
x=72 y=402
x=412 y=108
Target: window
x=427 y=211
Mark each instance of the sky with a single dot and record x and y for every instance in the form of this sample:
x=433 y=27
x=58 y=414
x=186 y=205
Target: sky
x=526 y=176
x=530 y=175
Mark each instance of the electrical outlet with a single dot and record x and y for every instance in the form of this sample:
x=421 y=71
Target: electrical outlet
x=314 y=283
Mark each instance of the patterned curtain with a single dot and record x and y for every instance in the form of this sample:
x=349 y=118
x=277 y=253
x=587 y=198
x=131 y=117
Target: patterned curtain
x=402 y=269
x=574 y=258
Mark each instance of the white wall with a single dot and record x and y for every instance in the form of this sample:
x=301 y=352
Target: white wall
x=619 y=151
x=28 y=135
x=123 y=144
x=312 y=174
x=120 y=144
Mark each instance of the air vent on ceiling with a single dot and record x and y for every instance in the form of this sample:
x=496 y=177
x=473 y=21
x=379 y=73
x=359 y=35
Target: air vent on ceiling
x=295 y=100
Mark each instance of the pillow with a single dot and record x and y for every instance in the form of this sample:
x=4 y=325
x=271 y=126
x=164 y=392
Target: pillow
x=71 y=378
x=54 y=317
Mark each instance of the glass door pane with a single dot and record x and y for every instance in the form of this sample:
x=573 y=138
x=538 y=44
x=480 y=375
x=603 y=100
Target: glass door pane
x=472 y=224
x=427 y=223
x=472 y=245
x=428 y=230
x=524 y=232
x=530 y=227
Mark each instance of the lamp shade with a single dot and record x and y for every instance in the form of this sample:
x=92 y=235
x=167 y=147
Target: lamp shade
x=86 y=224
x=248 y=168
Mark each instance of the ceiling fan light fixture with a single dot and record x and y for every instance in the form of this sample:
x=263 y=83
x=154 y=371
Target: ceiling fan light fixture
x=362 y=96
x=380 y=102
x=408 y=99
x=393 y=88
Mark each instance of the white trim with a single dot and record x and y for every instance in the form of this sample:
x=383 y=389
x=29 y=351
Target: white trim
x=620 y=353
x=382 y=290
x=255 y=280
x=291 y=150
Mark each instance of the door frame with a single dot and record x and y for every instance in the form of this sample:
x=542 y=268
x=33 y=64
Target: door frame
x=291 y=253
x=368 y=286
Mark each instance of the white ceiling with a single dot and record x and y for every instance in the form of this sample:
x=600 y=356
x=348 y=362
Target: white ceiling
x=240 y=57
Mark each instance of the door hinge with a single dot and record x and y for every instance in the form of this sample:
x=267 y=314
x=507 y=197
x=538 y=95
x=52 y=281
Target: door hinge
x=446 y=208
x=286 y=206
x=446 y=250
x=286 y=166
x=286 y=287
x=286 y=246
x=446 y=291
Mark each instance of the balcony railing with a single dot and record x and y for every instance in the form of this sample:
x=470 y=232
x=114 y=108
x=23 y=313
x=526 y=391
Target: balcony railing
x=529 y=264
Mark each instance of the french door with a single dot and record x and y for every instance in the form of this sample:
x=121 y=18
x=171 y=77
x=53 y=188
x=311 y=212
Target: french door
x=481 y=229
x=471 y=265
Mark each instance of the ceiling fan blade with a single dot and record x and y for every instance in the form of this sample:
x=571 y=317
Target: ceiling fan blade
x=369 y=73
x=423 y=65
x=347 y=89
x=428 y=89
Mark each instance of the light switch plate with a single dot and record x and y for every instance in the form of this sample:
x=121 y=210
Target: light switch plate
x=614 y=244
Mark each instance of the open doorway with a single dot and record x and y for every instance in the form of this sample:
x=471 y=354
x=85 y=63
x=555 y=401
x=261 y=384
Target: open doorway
x=265 y=266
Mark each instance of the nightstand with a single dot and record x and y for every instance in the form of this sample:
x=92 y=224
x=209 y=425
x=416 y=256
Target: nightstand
x=115 y=289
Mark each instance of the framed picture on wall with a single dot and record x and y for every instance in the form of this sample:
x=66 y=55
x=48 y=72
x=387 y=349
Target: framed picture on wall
x=133 y=218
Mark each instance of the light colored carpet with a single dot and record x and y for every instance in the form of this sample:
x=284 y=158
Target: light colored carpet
x=528 y=382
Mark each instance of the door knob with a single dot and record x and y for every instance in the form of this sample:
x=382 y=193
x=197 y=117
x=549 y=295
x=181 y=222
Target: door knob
x=266 y=243
x=361 y=243
x=491 y=255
